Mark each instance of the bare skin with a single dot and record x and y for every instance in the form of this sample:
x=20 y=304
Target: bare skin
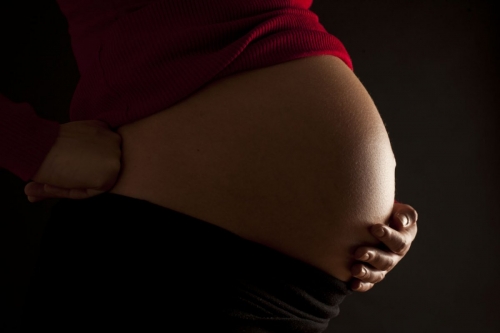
x=293 y=156
x=84 y=162
x=396 y=239
x=74 y=137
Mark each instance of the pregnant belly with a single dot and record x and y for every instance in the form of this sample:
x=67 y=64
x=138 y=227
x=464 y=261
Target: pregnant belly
x=293 y=156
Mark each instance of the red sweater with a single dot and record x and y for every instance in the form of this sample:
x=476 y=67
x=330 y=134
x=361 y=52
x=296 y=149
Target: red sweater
x=138 y=57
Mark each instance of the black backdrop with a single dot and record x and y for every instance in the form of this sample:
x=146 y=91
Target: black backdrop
x=430 y=66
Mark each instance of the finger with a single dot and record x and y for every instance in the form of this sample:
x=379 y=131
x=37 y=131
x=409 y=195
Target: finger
x=39 y=190
x=400 y=221
x=59 y=192
x=405 y=213
x=34 y=199
x=379 y=259
x=367 y=274
x=33 y=189
x=360 y=286
x=45 y=191
x=397 y=242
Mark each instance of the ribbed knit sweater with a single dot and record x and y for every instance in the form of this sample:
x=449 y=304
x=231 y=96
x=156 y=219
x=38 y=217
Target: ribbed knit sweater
x=137 y=58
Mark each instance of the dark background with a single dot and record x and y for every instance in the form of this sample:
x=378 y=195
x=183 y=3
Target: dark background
x=432 y=69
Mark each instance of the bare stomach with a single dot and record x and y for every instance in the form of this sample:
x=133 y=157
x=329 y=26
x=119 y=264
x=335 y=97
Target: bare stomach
x=289 y=156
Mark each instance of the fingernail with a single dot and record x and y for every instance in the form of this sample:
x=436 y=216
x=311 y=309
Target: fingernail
x=365 y=256
x=403 y=219
x=363 y=272
x=379 y=232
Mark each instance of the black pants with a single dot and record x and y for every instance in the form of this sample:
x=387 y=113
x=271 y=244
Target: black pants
x=112 y=262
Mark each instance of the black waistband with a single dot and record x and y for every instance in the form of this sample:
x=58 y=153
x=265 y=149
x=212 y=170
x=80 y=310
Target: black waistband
x=139 y=257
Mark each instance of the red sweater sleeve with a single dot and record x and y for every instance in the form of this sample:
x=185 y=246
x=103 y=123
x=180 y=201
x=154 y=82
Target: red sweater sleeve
x=25 y=138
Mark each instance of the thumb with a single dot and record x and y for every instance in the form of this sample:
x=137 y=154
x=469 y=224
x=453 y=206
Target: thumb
x=401 y=220
x=404 y=216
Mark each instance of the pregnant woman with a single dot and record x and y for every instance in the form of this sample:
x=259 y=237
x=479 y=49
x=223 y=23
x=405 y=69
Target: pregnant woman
x=224 y=169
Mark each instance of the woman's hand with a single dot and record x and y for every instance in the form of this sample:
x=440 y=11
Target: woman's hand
x=84 y=162
x=397 y=239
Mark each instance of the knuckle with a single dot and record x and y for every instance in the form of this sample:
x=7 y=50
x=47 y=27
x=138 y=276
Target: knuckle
x=378 y=259
x=368 y=286
x=402 y=246
x=388 y=263
x=381 y=276
x=361 y=287
x=391 y=234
